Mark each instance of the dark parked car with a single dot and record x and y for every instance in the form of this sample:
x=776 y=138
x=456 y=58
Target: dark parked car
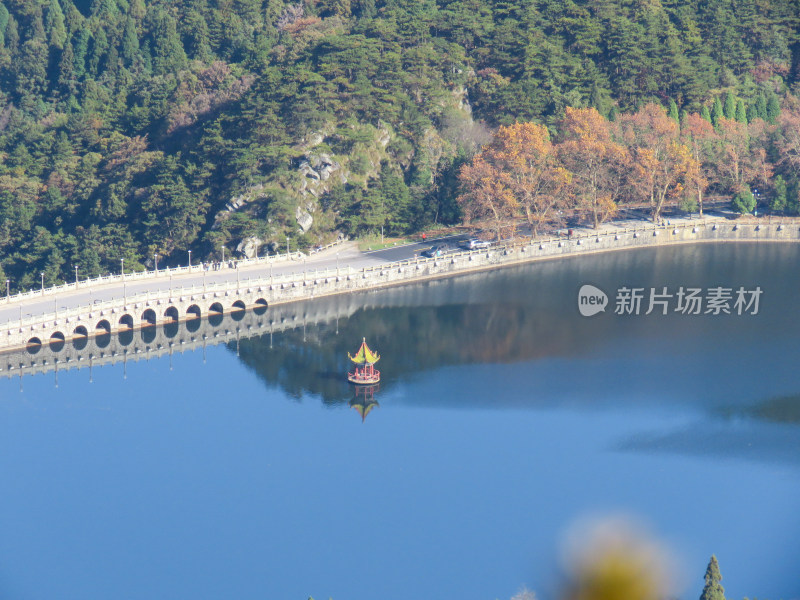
x=473 y=244
x=436 y=250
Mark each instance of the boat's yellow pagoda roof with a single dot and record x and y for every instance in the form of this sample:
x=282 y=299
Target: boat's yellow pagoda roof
x=364 y=355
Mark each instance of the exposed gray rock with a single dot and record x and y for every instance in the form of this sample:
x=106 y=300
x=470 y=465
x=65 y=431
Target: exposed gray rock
x=384 y=137
x=306 y=169
x=304 y=219
x=249 y=246
x=317 y=168
x=315 y=139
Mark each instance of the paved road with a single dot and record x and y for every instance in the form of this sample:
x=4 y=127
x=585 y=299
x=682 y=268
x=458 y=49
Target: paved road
x=342 y=256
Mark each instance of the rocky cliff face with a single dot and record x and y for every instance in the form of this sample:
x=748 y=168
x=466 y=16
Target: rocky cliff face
x=349 y=154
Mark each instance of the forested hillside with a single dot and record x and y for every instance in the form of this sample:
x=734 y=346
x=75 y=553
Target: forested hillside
x=130 y=128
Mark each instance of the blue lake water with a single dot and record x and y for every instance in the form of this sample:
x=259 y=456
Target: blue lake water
x=245 y=470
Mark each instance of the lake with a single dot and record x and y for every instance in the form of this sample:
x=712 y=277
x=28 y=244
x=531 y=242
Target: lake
x=251 y=469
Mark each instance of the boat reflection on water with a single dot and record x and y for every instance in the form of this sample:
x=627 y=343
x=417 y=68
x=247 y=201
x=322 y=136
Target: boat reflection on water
x=363 y=400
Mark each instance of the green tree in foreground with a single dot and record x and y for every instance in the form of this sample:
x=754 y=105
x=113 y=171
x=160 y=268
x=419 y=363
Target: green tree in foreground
x=713 y=590
x=778 y=202
x=744 y=202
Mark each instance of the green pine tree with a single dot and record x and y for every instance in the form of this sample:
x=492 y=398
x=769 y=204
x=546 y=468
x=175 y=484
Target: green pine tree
x=673 y=110
x=66 y=72
x=705 y=114
x=130 y=41
x=729 y=108
x=713 y=590
x=3 y=19
x=168 y=53
x=761 y=107
x=741 y=113
x=752 y=113
x=54 y=25
x=744 y=202
x=716 y=112
x=778 y=202
x=12 y=36
x=80 y=50
x=773 y=108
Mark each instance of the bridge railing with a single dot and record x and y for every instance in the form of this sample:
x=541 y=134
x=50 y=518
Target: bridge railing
x=100 y=280
x=137 y=276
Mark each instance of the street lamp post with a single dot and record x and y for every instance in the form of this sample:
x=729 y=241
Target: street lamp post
x=337 y=265
x=190 y=261
x=223 y=252
x=155 y=263
x=122 y=268
x=76 y=277
x=287 y=246
x=8 y=290
x=42 y=274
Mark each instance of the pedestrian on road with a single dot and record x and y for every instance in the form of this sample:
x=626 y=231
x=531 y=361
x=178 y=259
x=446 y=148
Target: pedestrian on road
x=423 y=238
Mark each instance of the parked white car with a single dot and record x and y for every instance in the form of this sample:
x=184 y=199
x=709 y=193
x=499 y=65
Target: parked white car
x=473 y=244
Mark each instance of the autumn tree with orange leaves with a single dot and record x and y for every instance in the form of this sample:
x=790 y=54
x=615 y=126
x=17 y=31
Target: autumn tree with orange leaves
x=529 y=167
x=662 y=165
x=701 y=138
x=742 y=157
x=787 y=136
x=596 y=161
x=518 y=173
x=486 y=196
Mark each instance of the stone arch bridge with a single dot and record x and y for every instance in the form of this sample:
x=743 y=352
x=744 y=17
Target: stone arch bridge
x=148 y=310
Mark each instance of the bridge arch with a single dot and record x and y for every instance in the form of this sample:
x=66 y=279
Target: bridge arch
x=238 y=310
x=126 y=320
x=172 y=314
x=34 y=345
x=103 y=326
x=149 y=318
x=260 y=307
x=194 y=310
x=80 y=337
x=56 y=342
x=216 y=308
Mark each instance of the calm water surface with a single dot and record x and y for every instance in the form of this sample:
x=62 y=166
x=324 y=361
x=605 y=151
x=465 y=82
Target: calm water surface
x=246 y=471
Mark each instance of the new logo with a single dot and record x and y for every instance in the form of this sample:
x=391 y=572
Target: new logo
x=591 y=300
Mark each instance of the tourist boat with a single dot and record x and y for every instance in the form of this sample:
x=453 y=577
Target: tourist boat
x=364 y=372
